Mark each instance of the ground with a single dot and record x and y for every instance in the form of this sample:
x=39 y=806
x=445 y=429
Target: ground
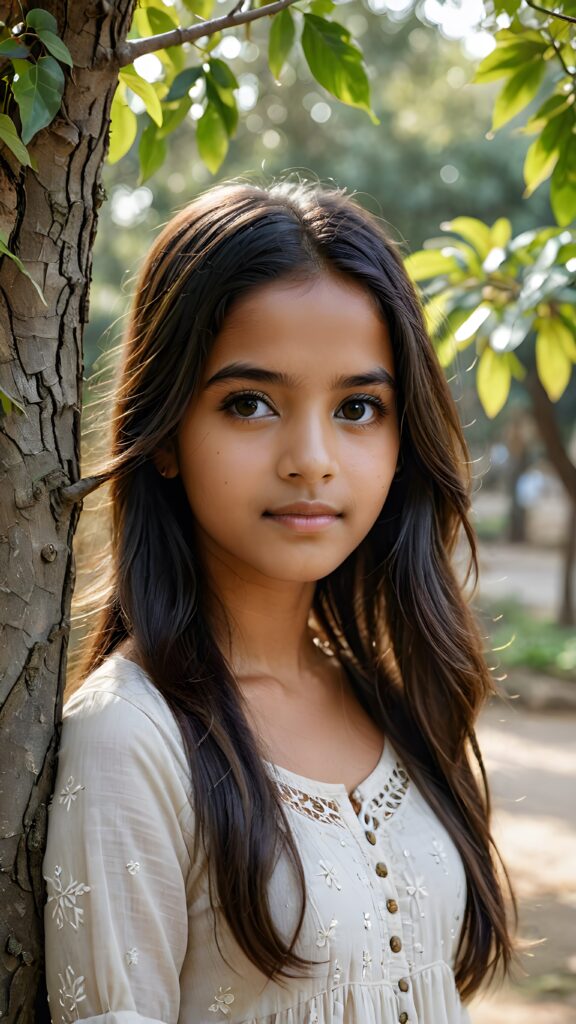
x=531 y=762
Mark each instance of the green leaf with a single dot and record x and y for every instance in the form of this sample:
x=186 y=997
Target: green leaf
x=5 y=251
x=145 y=90
x=280 y=41
x=173 y=116
x=563 y=187
x=152 y=151
x=562 y=335
x=203 y=8
x=55 y=46
x=38 y=93
x=8 y=403
x=123 y=127
x=550 y=109
x=552 y=361
x=335 y=62
x=212 y=138
x=183 y=83
x=13 y=49
x=9 y=136
x=505 y=60
x=427 y=263
x=224 y=101
x=493 y=380
x=40 y=19
x=223 y=76
x=473 y=231
x=543 y=154
x=500 y=233
x=322 y=7
x=538 y=165
x=518 y=93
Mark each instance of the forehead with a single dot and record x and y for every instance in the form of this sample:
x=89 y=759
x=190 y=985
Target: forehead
x=308 y=327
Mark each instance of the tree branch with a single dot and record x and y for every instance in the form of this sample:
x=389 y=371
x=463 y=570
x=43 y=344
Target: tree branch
x=551 y=14
x=77 y=491
x=128 y=51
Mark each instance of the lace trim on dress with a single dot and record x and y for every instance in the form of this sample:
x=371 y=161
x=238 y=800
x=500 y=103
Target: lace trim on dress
x=317 y=807
x=385 y=803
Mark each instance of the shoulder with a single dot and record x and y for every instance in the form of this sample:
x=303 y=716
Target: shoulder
x=118 y=708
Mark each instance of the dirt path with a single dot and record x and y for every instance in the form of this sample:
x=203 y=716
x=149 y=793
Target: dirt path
x=531 y=762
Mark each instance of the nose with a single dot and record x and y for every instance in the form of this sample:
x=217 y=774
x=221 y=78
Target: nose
x=308 y=450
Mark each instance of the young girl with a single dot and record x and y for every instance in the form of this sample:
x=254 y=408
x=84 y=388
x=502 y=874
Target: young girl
x=270 y=805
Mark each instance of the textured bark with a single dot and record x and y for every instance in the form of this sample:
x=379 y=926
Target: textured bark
x=543 y=413
x=50 y=215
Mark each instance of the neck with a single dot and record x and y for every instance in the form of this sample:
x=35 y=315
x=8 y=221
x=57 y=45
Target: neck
x=261 y=626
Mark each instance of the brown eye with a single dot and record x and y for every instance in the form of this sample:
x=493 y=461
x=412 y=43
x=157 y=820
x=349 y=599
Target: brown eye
x=245 y=406
x=357 y=408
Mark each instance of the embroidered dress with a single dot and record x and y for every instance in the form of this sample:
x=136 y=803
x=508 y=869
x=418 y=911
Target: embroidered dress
x=130 y=932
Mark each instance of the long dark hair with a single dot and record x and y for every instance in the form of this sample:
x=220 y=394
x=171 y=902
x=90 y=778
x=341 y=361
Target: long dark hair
x=393 y=612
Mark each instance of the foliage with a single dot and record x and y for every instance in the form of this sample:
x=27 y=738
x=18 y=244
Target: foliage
x=520 y=640
x=500 y=292
x=515 y=297
x=539 y=48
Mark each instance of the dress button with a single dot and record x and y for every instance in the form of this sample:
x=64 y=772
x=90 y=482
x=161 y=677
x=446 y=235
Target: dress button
x=395 y=944
x=403 y=1018
x=381 y=869
x=403 y=985
x=392 y=906
x=371 y=838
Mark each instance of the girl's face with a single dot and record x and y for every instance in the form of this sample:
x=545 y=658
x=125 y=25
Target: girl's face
x=280 y=420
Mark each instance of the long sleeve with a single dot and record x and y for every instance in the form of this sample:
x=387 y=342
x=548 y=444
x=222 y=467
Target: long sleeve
x=117 y=867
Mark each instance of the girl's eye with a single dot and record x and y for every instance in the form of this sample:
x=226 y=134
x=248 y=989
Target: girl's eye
x=363 y=409
x=242 y=406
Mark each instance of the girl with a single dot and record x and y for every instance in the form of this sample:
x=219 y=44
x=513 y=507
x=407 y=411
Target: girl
x=270 y=805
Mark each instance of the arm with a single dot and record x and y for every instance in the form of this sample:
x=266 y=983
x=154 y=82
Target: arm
x=116 y=869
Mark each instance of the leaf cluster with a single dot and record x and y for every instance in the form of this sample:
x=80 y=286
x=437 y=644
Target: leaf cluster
x=31 y=79
x=480 y=285
x=536 y=52
x=334 y=60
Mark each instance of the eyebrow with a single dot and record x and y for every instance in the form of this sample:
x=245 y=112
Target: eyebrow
x=246 y=371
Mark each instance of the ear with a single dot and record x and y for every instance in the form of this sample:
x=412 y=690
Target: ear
x=165 y=458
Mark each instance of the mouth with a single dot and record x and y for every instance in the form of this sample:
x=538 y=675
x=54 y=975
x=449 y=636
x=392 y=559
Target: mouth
x=304 y=517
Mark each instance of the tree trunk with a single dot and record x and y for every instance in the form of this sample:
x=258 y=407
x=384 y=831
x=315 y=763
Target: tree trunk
x=568 y=607
x=550 y=433
x=50 y=215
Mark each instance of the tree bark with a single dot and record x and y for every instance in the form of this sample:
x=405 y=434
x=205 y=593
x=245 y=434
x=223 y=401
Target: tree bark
x=556 y=450
x=50 y=215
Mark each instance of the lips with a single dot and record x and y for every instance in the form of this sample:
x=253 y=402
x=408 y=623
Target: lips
x=304 y=508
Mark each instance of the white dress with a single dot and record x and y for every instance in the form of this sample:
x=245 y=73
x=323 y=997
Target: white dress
x=130 y=932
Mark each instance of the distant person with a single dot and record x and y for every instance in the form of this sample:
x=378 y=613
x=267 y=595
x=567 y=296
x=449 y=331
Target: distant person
x=267 y=808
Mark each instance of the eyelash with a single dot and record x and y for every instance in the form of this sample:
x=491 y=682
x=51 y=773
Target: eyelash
x=380 y=408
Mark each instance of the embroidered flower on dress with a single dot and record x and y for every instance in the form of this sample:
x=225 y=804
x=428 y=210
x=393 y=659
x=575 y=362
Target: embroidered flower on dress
x=415 y=887
x=439 y=854
x=330 y=875
x=366 y=963
x=71 y=992
x=337 y=972
x=367 y=921
x=326 y=933
x=133 y=867
x=65 y=908
x=223 y=998
x=69 y=794
x=131 y=956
